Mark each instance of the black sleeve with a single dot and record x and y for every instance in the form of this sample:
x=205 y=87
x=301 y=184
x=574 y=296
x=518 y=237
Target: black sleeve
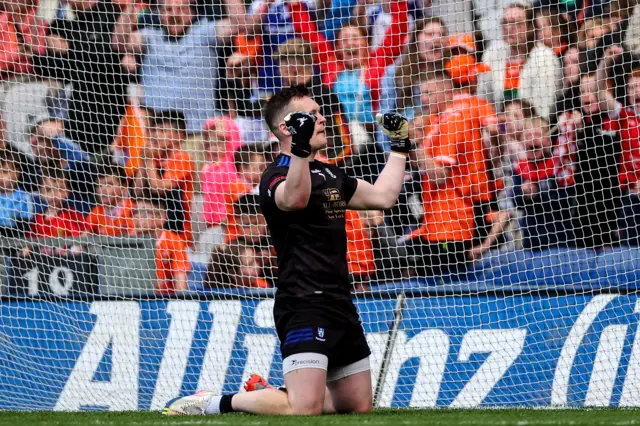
x=271 y=179
x=349 y=187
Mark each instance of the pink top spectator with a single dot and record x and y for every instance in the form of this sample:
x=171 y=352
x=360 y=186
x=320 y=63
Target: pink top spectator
x=222 y=138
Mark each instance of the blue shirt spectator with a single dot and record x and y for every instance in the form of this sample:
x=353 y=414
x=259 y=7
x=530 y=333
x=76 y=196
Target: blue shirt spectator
x=179 y=68
x=354 y=96
x=52 y=149
x=15 y=206
x=69 y=151
x=339 y=14
x=179 y=73
x=277 y=29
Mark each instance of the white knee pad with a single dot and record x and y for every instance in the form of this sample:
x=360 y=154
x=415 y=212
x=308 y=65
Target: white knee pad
x=348 y=370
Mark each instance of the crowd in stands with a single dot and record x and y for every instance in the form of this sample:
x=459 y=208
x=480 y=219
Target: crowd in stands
x=126 y=118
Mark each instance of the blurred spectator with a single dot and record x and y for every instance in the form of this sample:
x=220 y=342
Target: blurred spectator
x=16 y=205
x=249 y=163
x=222 y=138
x=464 y=72
x=245 y=99
x=295 y=59
x=441 y=244
x=25 y=165
x=250 y=259
x=21 y=104
x=571 y=61
x=362 y=157
x=553 y=29
x=591 y=32
x=574 y=61
x=57 y=218
x=355 y=77
x=630 y=166
x=633 y=89
x=511 y=126
x=339 y=14
x=360 y=255
x=428 y=47
x=167 y=171
x=632 y=37
x=172 y=264
x=80 y=51
x=388 y=255
x=276 y=30
x=52 y=150
x=234 y=266
x=251 y=226
x=458 y=15
x=520 y=66
x=149 y=217
x=22 y=34
x=178 y=58
x=602 y=127
x=128 y=146
x=113 y=215
x=355 y=74
x=545 y=200
x=426 y=53
x=457 y=186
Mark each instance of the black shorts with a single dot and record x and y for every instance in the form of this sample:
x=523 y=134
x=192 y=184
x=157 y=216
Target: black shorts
x=330 y=328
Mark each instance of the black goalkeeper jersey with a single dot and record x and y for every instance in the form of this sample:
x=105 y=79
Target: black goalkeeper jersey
x=311 y=244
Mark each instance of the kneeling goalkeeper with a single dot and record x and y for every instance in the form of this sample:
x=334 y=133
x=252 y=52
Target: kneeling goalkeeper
x=325 y=354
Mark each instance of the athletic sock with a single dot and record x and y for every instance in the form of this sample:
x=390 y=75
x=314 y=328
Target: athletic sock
x=220 y=405
x=225 y=403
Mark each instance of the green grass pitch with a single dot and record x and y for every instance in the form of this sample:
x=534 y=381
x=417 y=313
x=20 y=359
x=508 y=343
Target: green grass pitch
x=444 y=417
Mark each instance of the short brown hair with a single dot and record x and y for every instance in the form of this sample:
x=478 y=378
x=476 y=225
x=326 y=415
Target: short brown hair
x=297 y=50
x=278 y=103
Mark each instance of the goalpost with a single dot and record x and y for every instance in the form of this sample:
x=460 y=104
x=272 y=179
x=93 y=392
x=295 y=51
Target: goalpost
x=136 y=266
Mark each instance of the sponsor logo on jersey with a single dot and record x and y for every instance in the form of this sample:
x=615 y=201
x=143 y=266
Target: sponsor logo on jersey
x=332 y=194
x=320 y=336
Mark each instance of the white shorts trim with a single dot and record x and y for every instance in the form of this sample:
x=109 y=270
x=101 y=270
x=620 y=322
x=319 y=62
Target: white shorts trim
x=348 y=370
x=304 y=360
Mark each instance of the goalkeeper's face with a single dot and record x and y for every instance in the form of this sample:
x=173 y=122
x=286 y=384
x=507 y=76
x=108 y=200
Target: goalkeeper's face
x=318 y=140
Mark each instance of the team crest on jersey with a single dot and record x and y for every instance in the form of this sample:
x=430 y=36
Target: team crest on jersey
x=320 y=335
x=332 y=194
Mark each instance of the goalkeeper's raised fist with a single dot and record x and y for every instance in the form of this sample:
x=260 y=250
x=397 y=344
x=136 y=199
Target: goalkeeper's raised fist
x=301 y=125
x=396 y=127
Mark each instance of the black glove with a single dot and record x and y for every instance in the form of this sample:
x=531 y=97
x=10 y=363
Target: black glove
x=301 y=125
x=396 y=127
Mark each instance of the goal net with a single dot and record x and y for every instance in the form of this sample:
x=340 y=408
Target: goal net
x=137 y=266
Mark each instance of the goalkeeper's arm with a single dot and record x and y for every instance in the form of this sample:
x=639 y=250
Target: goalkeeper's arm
x=384 y=193
x=294 y=193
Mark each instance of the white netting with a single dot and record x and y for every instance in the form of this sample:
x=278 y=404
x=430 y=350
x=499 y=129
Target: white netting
x=132 y=145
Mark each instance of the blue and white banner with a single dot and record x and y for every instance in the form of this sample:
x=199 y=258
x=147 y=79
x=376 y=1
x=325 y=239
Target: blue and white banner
x=456 y=351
